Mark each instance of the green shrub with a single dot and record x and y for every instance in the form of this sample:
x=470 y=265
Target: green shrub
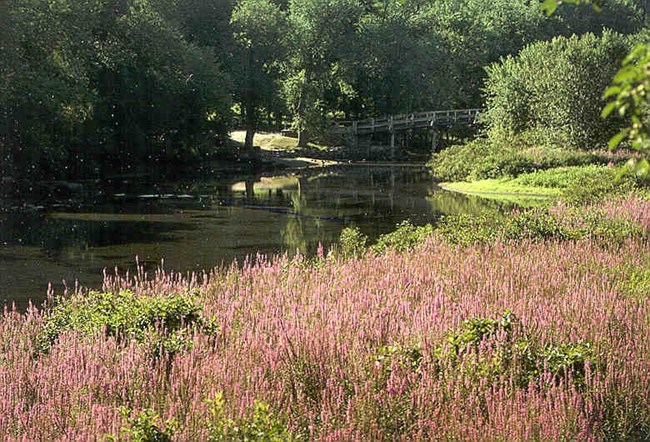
x=504 y=163
x=565 y=359
x=591 y=188
x=458 y=354
x=457 y=162
x=144 y=427
x=160 y=321
x=581 y=184
x=467 y=229
x=524 y=92
x=563 y=177
x=527 y=361
x=478 y=159
x=473 y=331
x=630 y=278
x=261 y=426
x=612 y=231
x=352 y=243
x=633 y=280
x=509 y=157
x=406 y=357
x=404 y=237
x=516 y=353
x=535 y=224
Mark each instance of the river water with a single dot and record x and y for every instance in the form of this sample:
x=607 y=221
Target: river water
x=195 y=224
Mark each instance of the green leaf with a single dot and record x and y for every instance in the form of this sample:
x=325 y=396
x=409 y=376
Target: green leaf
x=608 y=109
x=622 y=171
x=636 y=53
x=641 y=168
x=622 y=109
x=616 y=139
x=549 y=6
x=614 y=90
x=625 y=74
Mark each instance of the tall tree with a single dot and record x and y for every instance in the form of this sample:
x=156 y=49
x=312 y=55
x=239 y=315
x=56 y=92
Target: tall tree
x=207 y=24
x=399 y=58
x=320 y=30
x=89 y=80
x=259 y=28
x=555 y=90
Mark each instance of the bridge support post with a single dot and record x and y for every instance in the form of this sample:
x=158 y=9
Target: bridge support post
x=434 y=139
x=391 y=128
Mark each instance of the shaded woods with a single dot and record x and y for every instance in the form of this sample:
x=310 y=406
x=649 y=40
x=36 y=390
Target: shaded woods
x=96 y=87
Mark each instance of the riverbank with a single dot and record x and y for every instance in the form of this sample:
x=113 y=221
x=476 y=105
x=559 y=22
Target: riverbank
x=575 y=183
x=283 y=151
x=279 y=150
x=503 y=190
x=513 y=339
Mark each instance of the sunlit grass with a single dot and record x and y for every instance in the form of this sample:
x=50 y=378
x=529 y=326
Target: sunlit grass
x=535 y=187
x=273 y=141
x=504 y=189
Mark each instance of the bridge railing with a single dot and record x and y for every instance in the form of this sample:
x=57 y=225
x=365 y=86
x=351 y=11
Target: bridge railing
x=407 y=121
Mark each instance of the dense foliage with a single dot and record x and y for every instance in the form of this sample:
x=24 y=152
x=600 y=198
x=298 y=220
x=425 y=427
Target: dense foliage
x=120 y=84
x=554 y=89
x=481 y=158
x=581 y=214
x=631 y=99
x=102 y=82
x=159 y=322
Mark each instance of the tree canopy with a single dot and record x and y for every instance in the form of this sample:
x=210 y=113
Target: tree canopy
x=555 y=89
x=87 y=86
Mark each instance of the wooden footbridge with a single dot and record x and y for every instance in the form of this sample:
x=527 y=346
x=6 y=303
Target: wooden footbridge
x=420 y=120
x=434 y=121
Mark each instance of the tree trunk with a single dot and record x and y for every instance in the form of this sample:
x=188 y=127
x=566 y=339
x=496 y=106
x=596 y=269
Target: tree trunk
x=250 y=188
x=302 y=138
x=251 y=126
x=250 y=136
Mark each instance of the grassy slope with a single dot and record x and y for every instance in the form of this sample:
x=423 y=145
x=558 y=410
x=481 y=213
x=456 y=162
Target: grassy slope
x=501 y=187
x=272 y=141
x=541 y=184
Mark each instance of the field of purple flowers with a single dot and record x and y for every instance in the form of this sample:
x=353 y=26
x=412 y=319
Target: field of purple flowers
x=509 y=340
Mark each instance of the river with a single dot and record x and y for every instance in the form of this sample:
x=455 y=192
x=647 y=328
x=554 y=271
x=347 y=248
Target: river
x=197 y=223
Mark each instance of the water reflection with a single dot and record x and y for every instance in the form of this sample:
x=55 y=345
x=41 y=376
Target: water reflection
x=453 y=203
x=197 y=224
x=58 y=232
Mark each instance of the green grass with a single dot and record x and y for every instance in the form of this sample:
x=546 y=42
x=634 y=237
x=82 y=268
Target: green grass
x=273 y=141
x=564 y=177
x=542 y=184
x=501 y=187
x=481 y=159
